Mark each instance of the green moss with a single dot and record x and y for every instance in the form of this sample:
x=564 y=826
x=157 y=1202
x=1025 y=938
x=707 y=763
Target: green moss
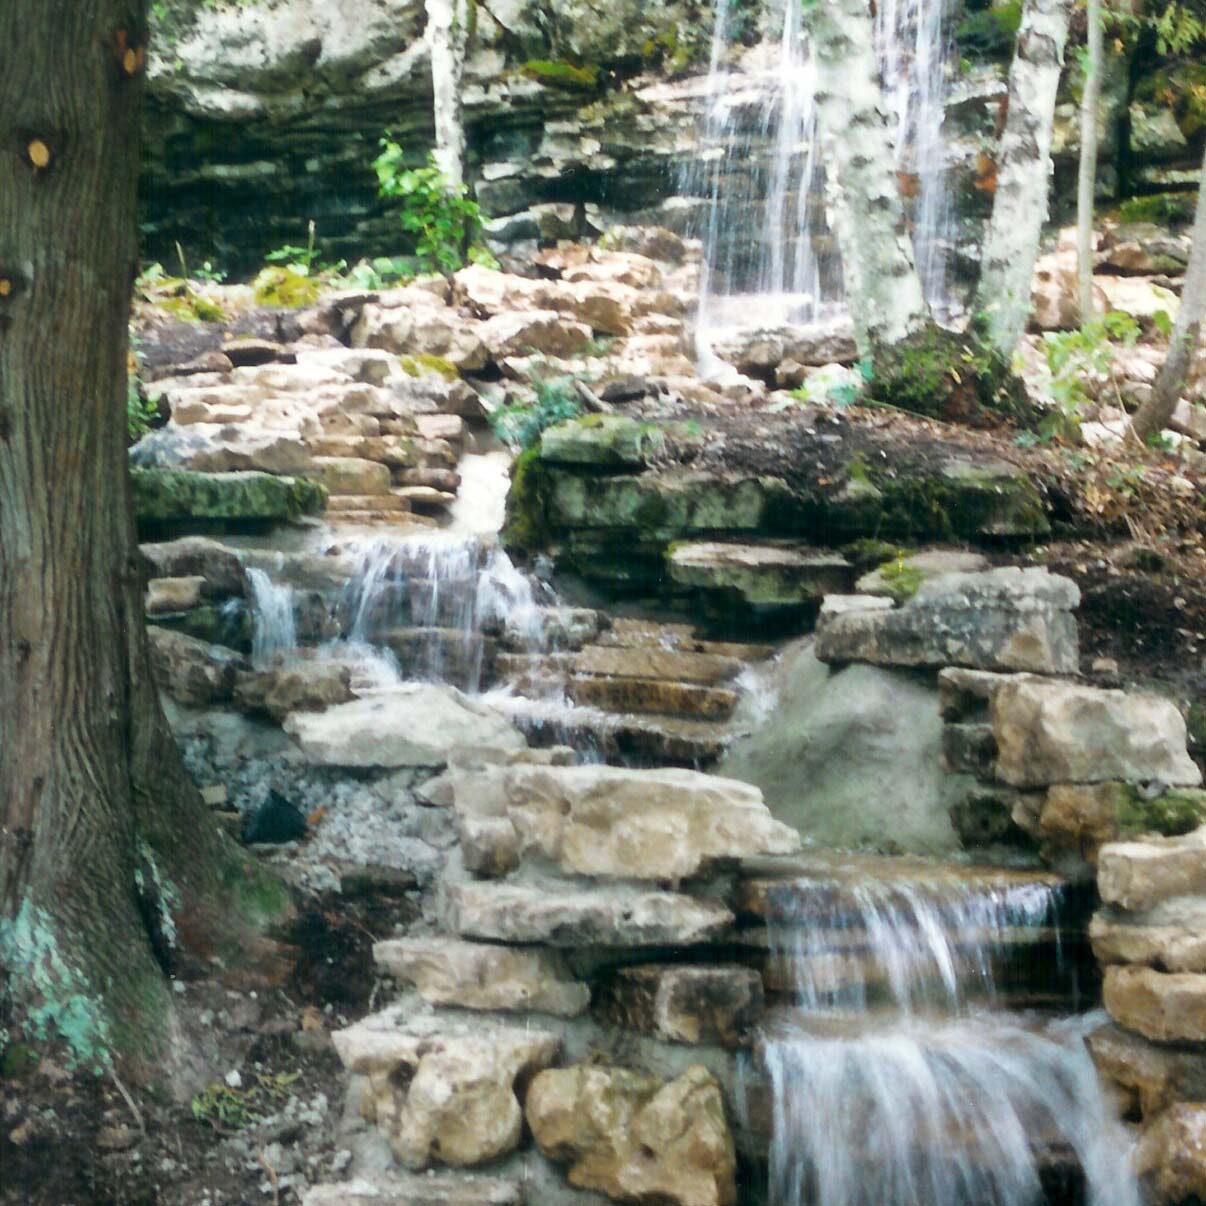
x=903 y=581
x=991 y=32
x=285 y=289
x=526 y=529
x=1163 y=209
x=955 y=376
x=1173 y=814
x=179 y=495
x=869 y=553
x=423 y=364
x=561 y=75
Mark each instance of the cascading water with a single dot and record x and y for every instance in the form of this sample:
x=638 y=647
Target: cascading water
x=898 y=1080
x=274 y=623
x=765 y=232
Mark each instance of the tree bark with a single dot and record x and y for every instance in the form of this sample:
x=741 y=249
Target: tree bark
x=448 y=40
x=1023 y=173
x=883 y=289
x=1156 y=413
x=108 y=858
x=1086 y=195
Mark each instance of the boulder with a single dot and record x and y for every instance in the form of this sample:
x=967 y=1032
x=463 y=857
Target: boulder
x=1139 y=875
x=1157 y=1076
x=212 y=448
x=475 y=975
x=1144 y=249
x=760 y=575
x=191 y=671
x=1169 y=937
x=604 y=441
x=1166 y=1008
x=423 y=329
x=351 y=475
x=713 y=1005
x=1171 y=1155
x=175 y=496
x=634 y=1138
x=1005 y=619
x=612 y=823
x=299 y=687
x=569 y=917
x=1060 y=732
x=173 y=594
x=219 y=568
x=444 y=1092
x=541 y=332
x=866 y=744
x=417 y=724
x=425 y=1189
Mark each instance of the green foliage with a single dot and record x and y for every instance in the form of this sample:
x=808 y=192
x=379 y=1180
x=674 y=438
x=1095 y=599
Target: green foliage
x=561 y=75
x=903 y=581
x=991 y=32
x=1180 y=27
x=141 y=413
x=1072 y=357
x=1162 y=209
x=834 y=386
x=443 y=217
x=380 y=272
x=522 y=426
x=1173 y=814
x=231 y=1108
x=285 y=287
x=175 y=296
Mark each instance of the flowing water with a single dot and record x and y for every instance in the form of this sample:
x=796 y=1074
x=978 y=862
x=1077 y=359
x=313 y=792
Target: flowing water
x=898 y=1078
x=274 y=633
x=762 y=175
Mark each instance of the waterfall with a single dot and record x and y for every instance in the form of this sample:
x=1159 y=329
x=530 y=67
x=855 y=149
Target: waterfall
x=898 y=1080
x=274 y=624
x=765 y=231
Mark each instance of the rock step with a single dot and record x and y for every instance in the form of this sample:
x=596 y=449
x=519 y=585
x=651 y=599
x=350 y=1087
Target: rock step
x=702 y=669
x=652 y=696
x=643 y=634
x=367 y=502
x=760 y=575
x=454 y=655
x=376 y=518
x=425 y=1189
x=425 y=498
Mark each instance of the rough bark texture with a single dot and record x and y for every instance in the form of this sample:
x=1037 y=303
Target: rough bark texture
x=447 y=38
x=1157 y=411
x=1023 y=172
x=106 y=851
x=865 y=208
x=1087 y=183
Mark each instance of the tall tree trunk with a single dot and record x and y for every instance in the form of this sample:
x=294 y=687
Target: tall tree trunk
x=108 y=858
x=448 y=39
x=1086 y=195
x=1154 y=415
x=865 y=210
x=1023 y=173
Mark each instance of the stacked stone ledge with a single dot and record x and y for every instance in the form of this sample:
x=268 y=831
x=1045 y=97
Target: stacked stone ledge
x=572 y=980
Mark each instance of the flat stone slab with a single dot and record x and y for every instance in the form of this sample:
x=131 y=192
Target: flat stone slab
x=760 y=574
x=178 y=495
x=1164 y=1008
x=1007 y=619
x=1169 y=937
x=706 y=669
x=1139 y=875
x=477 y=975
x=418 y=724
x=1157 y=1075
x=568 y=918
x=900 y=579
x=441 y=1189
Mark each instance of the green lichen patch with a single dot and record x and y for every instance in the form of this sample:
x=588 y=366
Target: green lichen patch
x=1173 y=814
x=179 y=495
x=283 y=288
x=526 y=528
x=561 y=75
x=425 y=365
x=950 y=375
x=1163 y=209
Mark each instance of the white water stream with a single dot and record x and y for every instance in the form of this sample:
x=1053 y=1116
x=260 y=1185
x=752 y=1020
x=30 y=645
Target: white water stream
x=899 y=1080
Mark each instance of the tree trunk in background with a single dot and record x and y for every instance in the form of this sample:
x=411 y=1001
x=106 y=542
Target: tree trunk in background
x=864 y=205
x=448 y=39
x=1023 y=173
x=1087 y=184
x=1154 y=415
x=107 y=854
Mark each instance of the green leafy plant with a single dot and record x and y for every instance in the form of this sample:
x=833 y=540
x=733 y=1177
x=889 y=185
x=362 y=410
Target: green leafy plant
x=175 y=296
x=521 y=426
x=233 y=1108
x=444 y=219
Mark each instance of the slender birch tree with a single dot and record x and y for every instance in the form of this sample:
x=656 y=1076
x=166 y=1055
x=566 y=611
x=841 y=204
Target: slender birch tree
x=448 y=29
x=111 y=867
x=1023 y=173
x=1156 y=413
x=1086 y=193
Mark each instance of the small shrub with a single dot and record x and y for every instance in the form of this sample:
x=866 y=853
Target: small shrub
x=522 y=426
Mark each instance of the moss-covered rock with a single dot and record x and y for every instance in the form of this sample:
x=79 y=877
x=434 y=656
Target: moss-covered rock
x=1162 y=209
x=175 y=497
x=950 y=375
x=604 y=441
x=561 y=75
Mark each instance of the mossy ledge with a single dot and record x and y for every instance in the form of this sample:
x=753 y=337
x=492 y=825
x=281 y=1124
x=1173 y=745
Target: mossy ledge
x=561 y=75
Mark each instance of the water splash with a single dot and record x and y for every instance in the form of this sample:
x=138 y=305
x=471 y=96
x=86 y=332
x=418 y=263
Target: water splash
x=890 y=1082
x=274 y=622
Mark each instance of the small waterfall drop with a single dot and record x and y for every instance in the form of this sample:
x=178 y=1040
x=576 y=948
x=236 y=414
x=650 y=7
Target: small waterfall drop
x=762 y=179
x=897 y=1078
x=274 y=623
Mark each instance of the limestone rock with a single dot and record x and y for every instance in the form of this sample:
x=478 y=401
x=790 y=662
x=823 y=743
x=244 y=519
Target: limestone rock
x=173 y=496
x=214 y=448
x=417 y=1190
x=1171 y=1156
x=191 y=671
x=1005 y=619
x=711 y=1005
x=611 y=822
x=351 y=475
x=1166 y=1008
x=1169 y=937
x=173 y=594
x=472 y=975
x=1157 y=1076
x=421 y=329
x=606 y=441
x=417 y=724
x=303 y=687
x=760 y=574
x=444 y=1093
x=900 y=579
x=559 y=917
x=635 y=1139
x=1138 y=875
x=218 y=567
x=543 y=332
x=1059 y=732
